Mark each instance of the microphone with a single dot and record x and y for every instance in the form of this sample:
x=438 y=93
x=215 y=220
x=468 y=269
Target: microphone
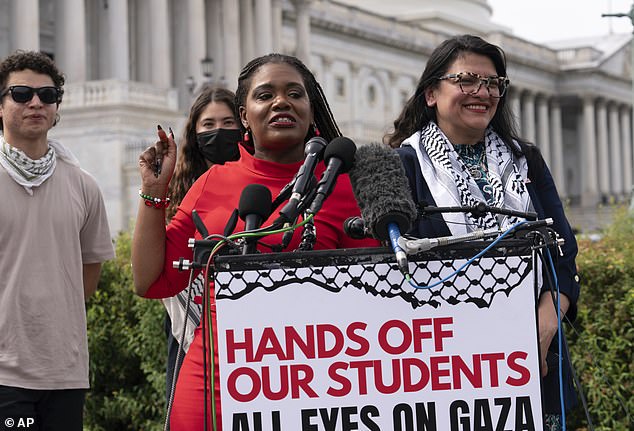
x=200 y=225
x=382 y=191
x=418 y=245
x=254 y=208
x=313 y=151
x=339 y=157
x=355 y=228
x=413 y=246
x=477 y=210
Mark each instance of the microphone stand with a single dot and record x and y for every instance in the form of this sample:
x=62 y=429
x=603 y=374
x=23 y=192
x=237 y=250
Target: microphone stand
x=477 y=210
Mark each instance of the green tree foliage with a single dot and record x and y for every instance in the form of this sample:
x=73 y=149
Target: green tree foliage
x=127 y=352
x=603 y=344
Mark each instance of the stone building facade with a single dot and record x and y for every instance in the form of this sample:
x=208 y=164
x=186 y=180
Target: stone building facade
x=133 y=64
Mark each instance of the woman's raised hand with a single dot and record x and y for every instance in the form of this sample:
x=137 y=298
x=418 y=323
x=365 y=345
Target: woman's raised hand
x=157 y=162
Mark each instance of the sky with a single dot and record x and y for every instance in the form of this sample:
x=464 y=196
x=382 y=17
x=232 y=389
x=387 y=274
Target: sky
x=546 y=20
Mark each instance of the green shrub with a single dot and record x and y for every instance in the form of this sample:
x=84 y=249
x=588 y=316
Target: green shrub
x=127 y=352
x=602 y=347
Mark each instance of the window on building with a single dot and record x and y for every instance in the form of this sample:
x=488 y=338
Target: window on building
x=340 y=86
x=404 y=95
x=372 y=95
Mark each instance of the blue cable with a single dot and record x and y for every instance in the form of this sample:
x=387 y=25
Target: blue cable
x=559 y=343
x=559 y=335
x=469 y=262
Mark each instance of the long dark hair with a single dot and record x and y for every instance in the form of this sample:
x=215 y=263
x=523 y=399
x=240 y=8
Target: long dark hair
x=416 y=114
x=324 y=120
x=191 y=163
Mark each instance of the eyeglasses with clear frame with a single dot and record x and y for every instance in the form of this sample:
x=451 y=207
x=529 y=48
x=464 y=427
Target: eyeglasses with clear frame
x=470 y=83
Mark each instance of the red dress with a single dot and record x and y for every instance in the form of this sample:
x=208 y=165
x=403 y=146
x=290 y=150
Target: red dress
x=214 y=196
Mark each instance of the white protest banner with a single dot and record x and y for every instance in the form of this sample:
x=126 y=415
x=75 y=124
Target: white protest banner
x=355 y=347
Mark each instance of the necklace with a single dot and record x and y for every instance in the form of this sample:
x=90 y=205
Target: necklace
x=474 y=159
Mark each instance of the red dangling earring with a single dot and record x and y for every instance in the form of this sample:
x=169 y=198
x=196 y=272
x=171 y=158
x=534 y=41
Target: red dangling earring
x=316 y=130
x=246 y=136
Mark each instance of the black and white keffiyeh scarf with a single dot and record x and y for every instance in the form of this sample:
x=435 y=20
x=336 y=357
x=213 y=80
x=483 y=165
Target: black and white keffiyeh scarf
x=452 y=185
x=31 y=173
x=185 y=310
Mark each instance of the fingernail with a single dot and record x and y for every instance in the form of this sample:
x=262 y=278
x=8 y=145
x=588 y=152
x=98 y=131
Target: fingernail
x=171 y=132
x=158 y=126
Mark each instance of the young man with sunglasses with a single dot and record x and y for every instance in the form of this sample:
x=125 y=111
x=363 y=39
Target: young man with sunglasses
x=55 y=236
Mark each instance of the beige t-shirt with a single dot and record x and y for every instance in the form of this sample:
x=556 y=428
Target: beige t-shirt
x=44 y=241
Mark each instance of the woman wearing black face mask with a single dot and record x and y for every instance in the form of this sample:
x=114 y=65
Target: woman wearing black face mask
x=219 y=145
x=211 y=137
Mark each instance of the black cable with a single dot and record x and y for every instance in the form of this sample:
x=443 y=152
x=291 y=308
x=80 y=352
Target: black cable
x=602 y=375
x=204 y=335
x=181 y=350
x=575 y=379
x=549 y=279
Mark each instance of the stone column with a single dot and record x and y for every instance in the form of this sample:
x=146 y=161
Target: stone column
x=327 y=83
x=231 y=24
x=248 y=30
x=557 y=150
x=119 y=48
x=543 y=129
x=24 y=25
x=196 y=48
x=354 y=101
x=160 y=36
x=263 y=27
x=302 y=29
x=602 y=141
x=626 y=148
x=516 y=108
x=277 y=25
x=616 y=166
x=70 y=39
x=528 y=117
x=588 y=174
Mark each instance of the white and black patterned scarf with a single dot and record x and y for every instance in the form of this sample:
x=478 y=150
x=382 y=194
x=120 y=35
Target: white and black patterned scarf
x=31 y=173
x=185 y=303
x=452 y=185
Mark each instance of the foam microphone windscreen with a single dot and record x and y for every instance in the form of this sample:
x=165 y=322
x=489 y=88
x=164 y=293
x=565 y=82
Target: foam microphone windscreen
x=255 y=200
x=382 y=191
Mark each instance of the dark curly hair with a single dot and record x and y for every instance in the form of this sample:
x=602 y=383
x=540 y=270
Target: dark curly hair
x=30 y=60
x=191 y=163
x=416 y=114
x=324 y=119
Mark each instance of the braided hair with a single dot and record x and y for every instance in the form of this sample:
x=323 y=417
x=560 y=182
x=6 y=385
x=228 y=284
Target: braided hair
x=324 y=119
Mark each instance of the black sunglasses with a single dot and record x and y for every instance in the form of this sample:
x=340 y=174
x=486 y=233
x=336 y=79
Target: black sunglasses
x=24 y=93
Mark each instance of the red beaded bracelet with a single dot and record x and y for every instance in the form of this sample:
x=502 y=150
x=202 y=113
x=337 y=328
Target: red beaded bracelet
x=154 y=202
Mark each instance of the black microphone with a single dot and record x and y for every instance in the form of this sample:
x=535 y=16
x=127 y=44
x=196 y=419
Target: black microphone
x=339 y=157
x=254 y=208
x=382 y=191
x=313 y=150
x=355 y=228
x=200 y=225
x=478 y=210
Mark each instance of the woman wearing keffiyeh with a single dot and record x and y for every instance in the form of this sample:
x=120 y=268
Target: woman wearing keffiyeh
x=457 y=141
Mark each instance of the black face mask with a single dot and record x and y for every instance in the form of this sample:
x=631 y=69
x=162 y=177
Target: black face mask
x=219 y=145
